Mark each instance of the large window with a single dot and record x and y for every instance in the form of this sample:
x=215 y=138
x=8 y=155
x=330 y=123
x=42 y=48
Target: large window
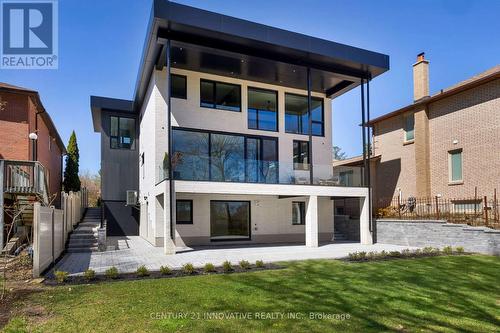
x=297 y=116
x=229 y=220
x=409 y=127
x=178 y=86
x=455 y=166
x=300 y=155
x=122 y=134
x=298 y=212
x=184 y=212
x=216 y=156
x=262 y=109
x=190 y=160
x=220 y=95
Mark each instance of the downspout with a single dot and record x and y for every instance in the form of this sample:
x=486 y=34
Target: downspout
x=170 y=146
x=363 y=124
x=309 y=112
x=368 y=131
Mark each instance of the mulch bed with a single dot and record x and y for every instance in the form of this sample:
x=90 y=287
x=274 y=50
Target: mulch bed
x=175 y=273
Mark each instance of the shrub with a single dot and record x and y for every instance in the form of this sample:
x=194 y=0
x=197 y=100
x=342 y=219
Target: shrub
x=209 y=268
x=244 y=264
x=227 y=267
x=89 y=274
x=406 y=253
x=112 y=273
x=353 y=256
x=417 y=252
x=165 y=270
x=427 y=250
x=447 y=250
x=371 y=255
x=188 y=268
x=436 y=251
x=142 y=271
x=459 y=249
x=259 y=264
x=383 y=254
x=394 y=254
x=61 y=276
x=361 y=255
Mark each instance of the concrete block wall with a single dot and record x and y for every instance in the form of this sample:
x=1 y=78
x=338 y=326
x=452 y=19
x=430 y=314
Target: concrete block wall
x=438 y=234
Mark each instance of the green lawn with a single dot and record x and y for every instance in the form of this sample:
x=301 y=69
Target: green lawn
x=439 y=294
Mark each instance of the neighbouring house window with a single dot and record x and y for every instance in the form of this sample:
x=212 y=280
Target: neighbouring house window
x=409 y=127
x=216 y=156
x=262 y=109
x=122 y=133
x=229 y=220
x=345 y=178
x=297 y=117
x=300 y=155
x=178 y=86
x=184 y=212
x=298 y=212
x=455 y=165
x=220 y=95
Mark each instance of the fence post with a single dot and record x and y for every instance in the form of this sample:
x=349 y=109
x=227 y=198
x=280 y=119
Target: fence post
x=437 y=207
x=1 y=204
x=495 y=206
x=485 y=211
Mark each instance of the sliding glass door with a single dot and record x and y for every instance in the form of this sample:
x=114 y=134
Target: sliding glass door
x=229 y=220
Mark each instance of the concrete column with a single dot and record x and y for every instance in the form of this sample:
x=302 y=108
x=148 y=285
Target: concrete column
x=312 y=222
x=169 y=239
x=364 y=222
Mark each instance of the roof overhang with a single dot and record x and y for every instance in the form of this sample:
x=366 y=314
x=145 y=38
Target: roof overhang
x=99 y=104
x=219 y=44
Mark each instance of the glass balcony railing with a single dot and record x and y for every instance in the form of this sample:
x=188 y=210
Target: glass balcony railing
x=227 y=169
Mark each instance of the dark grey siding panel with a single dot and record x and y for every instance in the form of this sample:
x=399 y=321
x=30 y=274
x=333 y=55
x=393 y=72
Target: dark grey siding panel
x=119 y=167
x=121 y=220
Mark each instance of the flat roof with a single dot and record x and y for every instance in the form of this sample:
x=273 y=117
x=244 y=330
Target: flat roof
x=219 y=44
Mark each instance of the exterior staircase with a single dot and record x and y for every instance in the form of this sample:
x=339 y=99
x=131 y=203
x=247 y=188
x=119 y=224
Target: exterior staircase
x=84 y=238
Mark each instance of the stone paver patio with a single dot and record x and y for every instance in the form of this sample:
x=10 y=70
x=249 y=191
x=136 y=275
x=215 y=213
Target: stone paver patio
x=134 y=251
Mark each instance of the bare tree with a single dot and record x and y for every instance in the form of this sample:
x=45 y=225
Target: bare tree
x=92 y=182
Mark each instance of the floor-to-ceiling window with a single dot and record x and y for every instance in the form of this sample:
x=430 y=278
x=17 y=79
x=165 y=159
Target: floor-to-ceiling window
x=297 y=118
x=229 y=220
x=217 y=156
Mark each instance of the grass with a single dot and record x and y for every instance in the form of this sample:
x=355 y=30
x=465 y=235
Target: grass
x=438 y=294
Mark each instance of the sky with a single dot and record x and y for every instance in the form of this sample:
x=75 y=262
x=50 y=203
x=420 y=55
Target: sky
x=100 y=45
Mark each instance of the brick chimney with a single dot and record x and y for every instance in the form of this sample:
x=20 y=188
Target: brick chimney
x=420 y=77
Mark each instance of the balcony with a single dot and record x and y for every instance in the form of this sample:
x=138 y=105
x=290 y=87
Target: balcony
x=23 y=178
x=237 y=170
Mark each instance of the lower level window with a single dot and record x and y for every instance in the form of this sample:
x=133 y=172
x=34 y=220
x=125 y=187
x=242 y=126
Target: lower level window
x=184 y=212
x=455 y=165
x=298 y=212
x=229 y=220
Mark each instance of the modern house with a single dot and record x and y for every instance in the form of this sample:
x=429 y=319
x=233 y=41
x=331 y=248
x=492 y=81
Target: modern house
x=31 y=152
x=228 y=139
x=446 y=144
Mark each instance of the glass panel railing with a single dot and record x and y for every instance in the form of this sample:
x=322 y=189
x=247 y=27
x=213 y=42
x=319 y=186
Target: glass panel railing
x=229 y=168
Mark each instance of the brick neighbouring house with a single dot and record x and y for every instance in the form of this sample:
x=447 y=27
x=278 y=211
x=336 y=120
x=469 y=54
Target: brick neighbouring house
x=446 y=144
x=22 y=114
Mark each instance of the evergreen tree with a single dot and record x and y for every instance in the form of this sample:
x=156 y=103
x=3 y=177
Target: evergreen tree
x=71 y=178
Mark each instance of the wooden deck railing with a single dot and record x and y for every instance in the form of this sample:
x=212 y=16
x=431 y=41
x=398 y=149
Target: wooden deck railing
x=24 y=177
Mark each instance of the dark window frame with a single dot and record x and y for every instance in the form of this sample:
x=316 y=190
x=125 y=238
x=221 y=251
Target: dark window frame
x=249 y=222
x=245 y=136
x=190 y=213
x=302 y=211
x=214 y=95
x=308 y=165
x=312 y=121
x=277 y=109
x=185 y=86
x=118 y=137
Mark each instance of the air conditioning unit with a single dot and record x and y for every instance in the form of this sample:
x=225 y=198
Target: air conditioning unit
x=131 y=198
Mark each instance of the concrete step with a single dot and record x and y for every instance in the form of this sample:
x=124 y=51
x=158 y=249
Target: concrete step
x=78 y=245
